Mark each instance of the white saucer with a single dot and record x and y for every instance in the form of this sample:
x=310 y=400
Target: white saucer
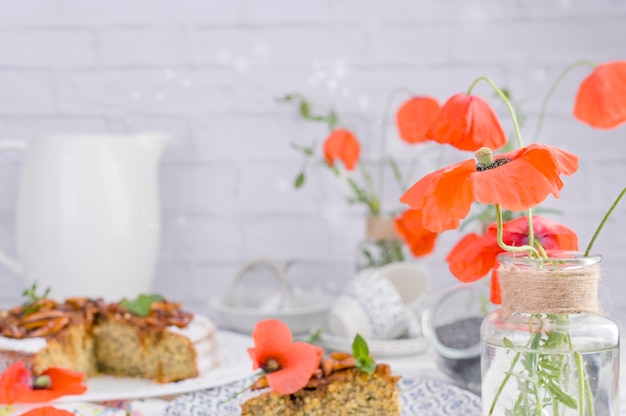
x=308 y=311
x=377 y=347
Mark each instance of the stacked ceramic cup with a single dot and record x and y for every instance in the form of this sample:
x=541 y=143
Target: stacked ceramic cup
x=381 y=303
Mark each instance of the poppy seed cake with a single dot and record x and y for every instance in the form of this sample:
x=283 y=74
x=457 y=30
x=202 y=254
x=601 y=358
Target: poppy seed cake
x=94 y=338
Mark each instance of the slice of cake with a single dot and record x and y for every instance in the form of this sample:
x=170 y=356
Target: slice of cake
x=160 y=342
x=341 y=389
x=46 y=334
x=297 y=381
x=165 y=345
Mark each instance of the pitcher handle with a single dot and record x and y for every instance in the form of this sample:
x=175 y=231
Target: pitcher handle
x=279 y=273
x=5 y=259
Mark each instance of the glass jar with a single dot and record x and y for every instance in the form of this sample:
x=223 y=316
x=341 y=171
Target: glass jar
x=382 y=244
x=451 y=324
x=549 y=350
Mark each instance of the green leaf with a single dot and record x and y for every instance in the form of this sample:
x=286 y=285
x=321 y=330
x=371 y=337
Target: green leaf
x=299 y=180
x=367 y=366
x=361 y=354
x=359 y=347
x=333 y=119
x=287 y=98
x=31 y=293
x=508 y=343
x=369 y=257
x=141 y=305
x=305 y=109
x=534 y=345
x=529 y=362
x=555 y=339
x=561 y=396
x=315 y=336
x=31 y=305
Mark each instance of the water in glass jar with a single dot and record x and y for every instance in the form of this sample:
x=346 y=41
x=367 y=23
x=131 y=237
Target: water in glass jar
x=547 y=383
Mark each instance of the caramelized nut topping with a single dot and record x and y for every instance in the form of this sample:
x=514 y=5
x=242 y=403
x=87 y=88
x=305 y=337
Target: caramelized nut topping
x=338 y=356
x=162 y=314
x=50 y=326
x=45 y=317
x=41 y=315
x=261 y=383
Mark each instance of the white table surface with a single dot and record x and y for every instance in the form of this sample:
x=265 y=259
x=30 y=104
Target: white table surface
x=421 y=365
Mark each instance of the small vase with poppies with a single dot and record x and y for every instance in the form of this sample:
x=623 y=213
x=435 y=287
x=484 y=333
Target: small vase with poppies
x=549 y=351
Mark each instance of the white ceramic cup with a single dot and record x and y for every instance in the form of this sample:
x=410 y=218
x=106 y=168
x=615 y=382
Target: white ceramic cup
x=380 y=303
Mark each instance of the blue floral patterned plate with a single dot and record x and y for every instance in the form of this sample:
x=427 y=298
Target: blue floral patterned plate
x=418 y=396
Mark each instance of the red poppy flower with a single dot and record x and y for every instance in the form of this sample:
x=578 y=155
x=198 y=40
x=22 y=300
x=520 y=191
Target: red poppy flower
x=48 y=411
x=289 y=364
x=495 y=292
x=601 y=98
x=467 y=122
x=516 y=181
x=415 y=116
x=409 y=226
x=13 y=381
x=15 y=385
x=342 y=145
x=475 y=256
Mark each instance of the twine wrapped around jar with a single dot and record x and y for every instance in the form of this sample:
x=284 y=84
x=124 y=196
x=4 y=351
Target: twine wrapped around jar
x=381 y=228
x=549 y=286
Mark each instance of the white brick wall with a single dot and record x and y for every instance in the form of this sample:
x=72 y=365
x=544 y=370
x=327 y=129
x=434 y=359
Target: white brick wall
x=208 y=73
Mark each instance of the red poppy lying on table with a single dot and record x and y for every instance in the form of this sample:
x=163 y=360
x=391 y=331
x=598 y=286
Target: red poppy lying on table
x=17 y=385
x=48 y=411
x=288 y=365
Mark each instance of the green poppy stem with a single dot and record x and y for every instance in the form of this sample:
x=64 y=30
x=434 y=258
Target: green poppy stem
x=248 y=387
x=508 y=375
x=546 y=99
x=541 y=250
x=520 y=142
x=531 y=229
x=506 y=247
x=604 y=220
x=580 y=370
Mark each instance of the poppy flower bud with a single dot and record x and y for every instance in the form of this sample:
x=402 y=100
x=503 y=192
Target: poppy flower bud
x=484 y=156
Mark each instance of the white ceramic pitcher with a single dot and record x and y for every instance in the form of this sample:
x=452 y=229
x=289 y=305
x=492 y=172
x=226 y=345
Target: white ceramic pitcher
x=88 y=213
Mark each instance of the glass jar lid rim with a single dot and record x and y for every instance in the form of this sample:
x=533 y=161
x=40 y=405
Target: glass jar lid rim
x=553 y=255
